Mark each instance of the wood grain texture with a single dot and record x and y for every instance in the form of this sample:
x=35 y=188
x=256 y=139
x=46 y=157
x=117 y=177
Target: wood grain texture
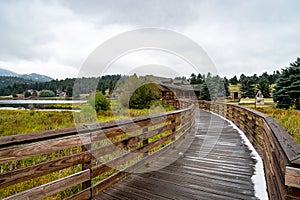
x=53 y=187
x=34 y=171
x=292 y=177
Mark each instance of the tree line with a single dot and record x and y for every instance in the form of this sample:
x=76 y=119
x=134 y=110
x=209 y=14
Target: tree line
x=286 y=90
x=104 y=83
x=286 y=85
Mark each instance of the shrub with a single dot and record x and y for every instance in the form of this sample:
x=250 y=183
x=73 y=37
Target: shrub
x=143 y=97
x=99 y=102
x=47 y=93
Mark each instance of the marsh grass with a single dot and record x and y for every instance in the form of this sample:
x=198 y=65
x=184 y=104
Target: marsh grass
x=14 y=122
x=288 y=119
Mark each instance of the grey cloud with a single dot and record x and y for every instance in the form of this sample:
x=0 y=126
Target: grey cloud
x=153 y=13
x=240 y=36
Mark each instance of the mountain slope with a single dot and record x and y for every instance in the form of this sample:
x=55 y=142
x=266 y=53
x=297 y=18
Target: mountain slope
x=33 y=76
x=5 y=72
x=36 y=77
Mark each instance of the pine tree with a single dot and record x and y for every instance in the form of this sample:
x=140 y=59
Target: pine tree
x=247 y=89
x=193 y=79
x=204 y=92
x=234 y=81
x=264 y=87
x=226 y=86
x=287 y=89
x=200 y=79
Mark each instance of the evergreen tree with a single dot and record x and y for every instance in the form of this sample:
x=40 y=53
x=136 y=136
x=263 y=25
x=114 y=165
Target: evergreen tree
x=200 y=79
x=204 y=92
x=247 y=88
x=264 y=87
x=226 y=86
x=274 y=77
x=287 y=89
x=234 y=80
x=69 y=91
x=254 y=79
x=242 y=78
x=27 y=94
x=193 y=79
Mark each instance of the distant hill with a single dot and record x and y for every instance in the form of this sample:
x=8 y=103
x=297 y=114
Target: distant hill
x=36 y=77
x=33 y=76
x=5 y=72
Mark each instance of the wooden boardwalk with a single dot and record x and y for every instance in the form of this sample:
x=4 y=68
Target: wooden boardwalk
x=224 y=173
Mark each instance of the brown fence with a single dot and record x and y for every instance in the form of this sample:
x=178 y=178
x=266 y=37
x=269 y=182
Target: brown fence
x=79 y=163
x=279 y=151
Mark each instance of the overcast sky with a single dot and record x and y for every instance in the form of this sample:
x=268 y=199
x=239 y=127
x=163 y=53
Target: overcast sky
x=240 y=36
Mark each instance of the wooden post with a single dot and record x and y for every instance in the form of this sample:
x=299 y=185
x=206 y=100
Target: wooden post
x=87 y=165
x=173 y=129
x=145 y=142
x=253 y=123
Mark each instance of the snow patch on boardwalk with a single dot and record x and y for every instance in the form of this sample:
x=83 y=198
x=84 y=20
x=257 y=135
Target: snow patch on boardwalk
x=258 y=178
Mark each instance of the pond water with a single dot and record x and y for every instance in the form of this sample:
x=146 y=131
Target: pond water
x=26 y=102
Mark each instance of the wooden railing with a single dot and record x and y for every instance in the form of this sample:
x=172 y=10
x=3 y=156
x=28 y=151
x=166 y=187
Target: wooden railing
x=86 y=160
x=279 y=151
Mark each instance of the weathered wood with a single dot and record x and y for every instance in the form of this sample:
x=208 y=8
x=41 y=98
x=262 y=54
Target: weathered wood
x=86 y=165
x=287 y=143
x=106 y=183
x=119 y=145
x=278 y=148
x=13 y=148
x=292 y=177
x=82 y=195
x=53 y=187
x=34 y=171
x=145 y=140
x=122 y=129
x=34 y=137
x=33 y=149
x=193 y=176
x=98 y=170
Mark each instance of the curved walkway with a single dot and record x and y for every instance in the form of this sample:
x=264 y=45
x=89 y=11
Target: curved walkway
x=223 y=171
